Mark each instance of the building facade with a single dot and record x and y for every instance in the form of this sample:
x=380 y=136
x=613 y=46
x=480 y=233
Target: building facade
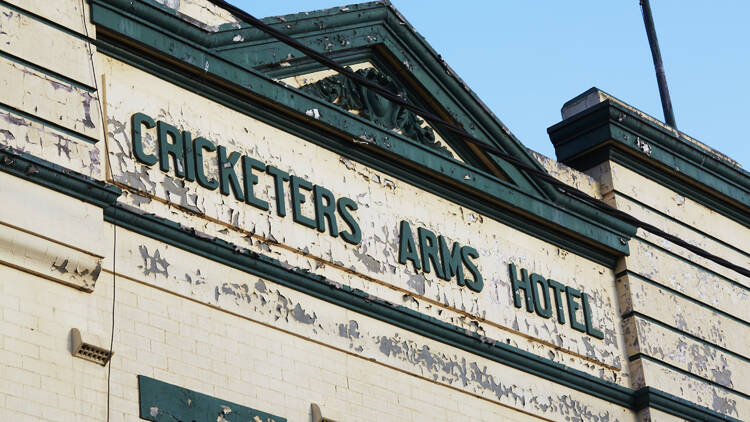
x=201 y=223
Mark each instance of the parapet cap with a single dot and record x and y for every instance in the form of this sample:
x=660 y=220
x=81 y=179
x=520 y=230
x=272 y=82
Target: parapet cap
x=594 y=96
x=597 y=127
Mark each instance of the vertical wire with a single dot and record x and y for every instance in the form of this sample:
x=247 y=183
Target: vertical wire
x=108 y=173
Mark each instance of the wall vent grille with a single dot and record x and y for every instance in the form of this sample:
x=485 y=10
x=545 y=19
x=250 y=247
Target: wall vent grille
x=88 y=351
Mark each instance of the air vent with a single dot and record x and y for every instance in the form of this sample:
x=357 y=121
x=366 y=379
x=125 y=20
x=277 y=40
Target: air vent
x=88 y=350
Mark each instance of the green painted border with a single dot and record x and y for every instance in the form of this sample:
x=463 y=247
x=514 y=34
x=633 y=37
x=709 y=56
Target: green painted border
x=595 y=228
x=484 y=185
x=159 y=401
x=657 y=399
x=417 y=61
x=172 y=233
x=612 y=131
x=58 y=178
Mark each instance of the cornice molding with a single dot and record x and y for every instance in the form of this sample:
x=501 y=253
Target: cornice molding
x=613 y=131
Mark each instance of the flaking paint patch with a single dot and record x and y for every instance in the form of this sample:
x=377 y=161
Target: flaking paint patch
x=153 y=264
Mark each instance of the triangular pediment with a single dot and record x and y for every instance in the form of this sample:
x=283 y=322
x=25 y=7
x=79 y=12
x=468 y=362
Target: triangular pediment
x=244 y=68
x=375 y=40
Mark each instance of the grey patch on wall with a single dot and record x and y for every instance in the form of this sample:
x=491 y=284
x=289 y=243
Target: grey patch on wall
x=350 y=330
x=87 y=110
x=153 y=264
x=417 y=282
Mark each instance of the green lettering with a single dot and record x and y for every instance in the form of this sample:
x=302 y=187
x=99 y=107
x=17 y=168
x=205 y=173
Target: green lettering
x=298 y=199
x=522 y=283
x=325 y=211
x=557 y=289
x=279 y=177
x=354 y=236
x=166 y=148
x=546 y=310
x=248 y=165
x=227 y=175
x=139 y=119
x=199 y=145
x=189 y=158
x=407 y=249
x=571 y=295
x=428 y=247
x=593 y=331
x=477 y=283
x=451 y=258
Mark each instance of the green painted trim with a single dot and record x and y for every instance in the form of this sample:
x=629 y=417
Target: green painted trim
x=488 y=195
x=611 y=131
x=48 y=123
x=629 y=198
x=688 y=374
x=682 y=295
x=657 y=399
x=58 y=178
x=104 y=195
x=159 y=401
x=48 y=72
x=683 y=333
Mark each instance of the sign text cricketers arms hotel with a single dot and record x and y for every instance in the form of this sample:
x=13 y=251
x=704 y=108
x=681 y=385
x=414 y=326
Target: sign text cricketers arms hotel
x=258 y=237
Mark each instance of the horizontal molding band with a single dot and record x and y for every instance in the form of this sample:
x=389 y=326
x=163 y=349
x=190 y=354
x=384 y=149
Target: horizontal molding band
x=48 y=123
x=58 y=178
x=693 y=263
x=657 y=399
x=687 y=373
x=683 y=296
x=684 y=334
x=710 y=201
x=696 y=230
x=48 y=72
x=668 y=147
x=45 y=21
x=358 y=301
x=102 y=194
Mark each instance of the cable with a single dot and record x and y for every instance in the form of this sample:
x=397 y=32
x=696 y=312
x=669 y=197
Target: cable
x=436 y=120
x=114 y=226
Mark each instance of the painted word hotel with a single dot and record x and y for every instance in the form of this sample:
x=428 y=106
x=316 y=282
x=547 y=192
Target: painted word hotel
x=202 y=221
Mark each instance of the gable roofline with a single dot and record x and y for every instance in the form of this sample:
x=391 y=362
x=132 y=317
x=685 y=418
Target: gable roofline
x=162 y=43
x=380 y=27
x=424 y=64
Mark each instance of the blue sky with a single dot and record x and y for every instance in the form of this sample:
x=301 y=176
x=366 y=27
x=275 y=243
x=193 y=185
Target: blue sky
x=524 y=59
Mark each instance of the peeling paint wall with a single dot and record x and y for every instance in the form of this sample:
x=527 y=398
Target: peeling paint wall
x=671 y=320
x=685 y=317
x=371 y=266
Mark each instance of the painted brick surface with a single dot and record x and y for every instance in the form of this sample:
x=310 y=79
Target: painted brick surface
x=671 y=320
